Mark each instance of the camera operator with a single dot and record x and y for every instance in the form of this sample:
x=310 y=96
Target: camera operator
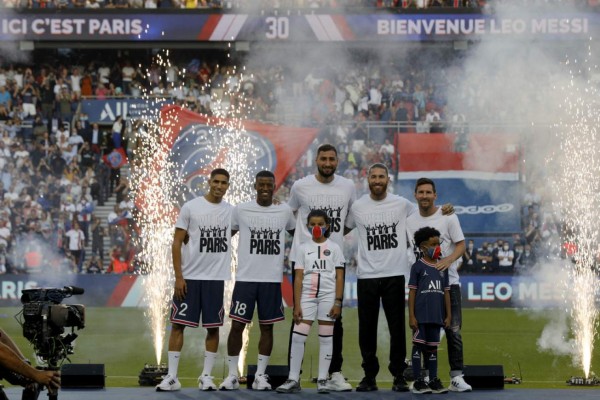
x=12 y=360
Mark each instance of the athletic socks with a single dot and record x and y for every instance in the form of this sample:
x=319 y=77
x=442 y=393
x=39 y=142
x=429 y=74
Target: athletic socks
x=233 y=362
x=297 y=350
x=209 y=362
x=173 y=362
x=261 y=365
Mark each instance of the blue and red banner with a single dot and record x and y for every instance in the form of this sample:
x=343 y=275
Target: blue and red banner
x=196 y=146
x=481 y=182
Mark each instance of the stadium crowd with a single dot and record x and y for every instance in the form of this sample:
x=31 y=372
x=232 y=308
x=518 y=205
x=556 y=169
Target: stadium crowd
x=236 y=4
x=273 y=4
x=53 y=174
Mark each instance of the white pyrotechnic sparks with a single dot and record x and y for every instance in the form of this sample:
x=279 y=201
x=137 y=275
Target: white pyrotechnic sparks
x=154 y=186
x=576 y=183
x=156 y=178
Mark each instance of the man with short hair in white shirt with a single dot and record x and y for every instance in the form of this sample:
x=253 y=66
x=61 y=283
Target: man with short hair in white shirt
x=334 y=194
x=453 y=247
x=261 y=226
x=201 y=253
x=382 y=267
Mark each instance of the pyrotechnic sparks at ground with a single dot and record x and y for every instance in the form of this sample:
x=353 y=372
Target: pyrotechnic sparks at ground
x=576 y=184
x=154 y=187
x=157 y=179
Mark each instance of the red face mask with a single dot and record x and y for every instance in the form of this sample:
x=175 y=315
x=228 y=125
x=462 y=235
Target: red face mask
x=318 y=231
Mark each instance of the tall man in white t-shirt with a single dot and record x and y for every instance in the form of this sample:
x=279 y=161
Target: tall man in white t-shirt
x=453 y=247
x=261 y=226
x=334 y=194
x=382 y=269
x=201 y=267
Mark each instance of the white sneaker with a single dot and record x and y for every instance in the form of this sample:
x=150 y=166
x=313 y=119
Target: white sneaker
x=458 y=384
x=230 y=383
x=289 y=386
x=337 y=383
x=205 y=382
x=261 y=382
x=168 y=384
x=322 y=386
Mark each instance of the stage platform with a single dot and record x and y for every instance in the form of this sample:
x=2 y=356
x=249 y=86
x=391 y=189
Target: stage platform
x=147 y=393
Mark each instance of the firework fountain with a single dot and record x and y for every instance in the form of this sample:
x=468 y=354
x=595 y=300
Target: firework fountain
x=577 y=184
x=157 y=178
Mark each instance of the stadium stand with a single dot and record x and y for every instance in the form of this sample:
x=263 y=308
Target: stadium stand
x=51 y=155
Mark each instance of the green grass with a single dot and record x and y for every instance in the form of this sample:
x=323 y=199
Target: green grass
x=120 y=339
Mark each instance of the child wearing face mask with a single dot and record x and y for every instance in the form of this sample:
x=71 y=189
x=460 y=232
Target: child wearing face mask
x=318 y=288
x=429 y=309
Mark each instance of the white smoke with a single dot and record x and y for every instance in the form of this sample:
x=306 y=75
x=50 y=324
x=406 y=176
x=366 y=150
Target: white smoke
x=518 y=84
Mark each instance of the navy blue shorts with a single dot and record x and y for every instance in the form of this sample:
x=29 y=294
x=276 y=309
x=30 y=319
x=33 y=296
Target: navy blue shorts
x=202 y=297
x=266 y=294
x=427 y=334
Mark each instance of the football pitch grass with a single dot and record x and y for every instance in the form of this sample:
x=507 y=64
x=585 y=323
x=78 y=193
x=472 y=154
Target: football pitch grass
x=120 y=339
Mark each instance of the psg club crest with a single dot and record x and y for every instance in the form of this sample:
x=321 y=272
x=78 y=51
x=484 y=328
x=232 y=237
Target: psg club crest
x=116 y=158
x=200 y=144
x=199 y=149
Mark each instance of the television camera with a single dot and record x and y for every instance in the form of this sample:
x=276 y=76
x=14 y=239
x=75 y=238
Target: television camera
x=44 y=320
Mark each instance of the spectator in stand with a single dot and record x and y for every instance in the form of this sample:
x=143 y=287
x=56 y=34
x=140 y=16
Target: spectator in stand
x=85 y=210
x=115 y=216
x=65 y=110
x=128 y=73
x=422 y=125
x=94 y=137
x=432 y=115
x=94 y=265
x=29 y=95
x=86 y=156
x=47 y=99
x=484 y=257
x=532 y=232
x=117 y=129
x=98 y=234
x=437 y=126
x=87 y=85
x=101 y=91
x=527 y=259
x=505 y=258
x=5 y=97
x=75 y=140
x=469 y=259
x=75 y=80
x=118 y=262
x=76 y=244
x=127 y=207
x=518 y=250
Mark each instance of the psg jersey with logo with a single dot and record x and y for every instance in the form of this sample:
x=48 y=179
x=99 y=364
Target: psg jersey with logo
x=430 y=285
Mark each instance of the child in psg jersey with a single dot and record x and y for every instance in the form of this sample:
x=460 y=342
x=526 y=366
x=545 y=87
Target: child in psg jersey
x=428 y=308
x=318 y=288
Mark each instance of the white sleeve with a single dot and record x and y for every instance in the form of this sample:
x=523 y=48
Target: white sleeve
x=454 y=229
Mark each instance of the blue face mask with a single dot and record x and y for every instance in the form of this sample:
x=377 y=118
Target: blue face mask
x=318 y=231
